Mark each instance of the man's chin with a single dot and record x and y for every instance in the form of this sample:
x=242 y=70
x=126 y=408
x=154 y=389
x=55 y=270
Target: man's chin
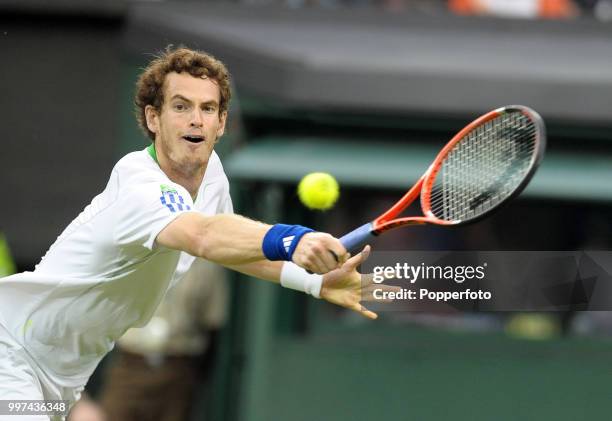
x=193 y=164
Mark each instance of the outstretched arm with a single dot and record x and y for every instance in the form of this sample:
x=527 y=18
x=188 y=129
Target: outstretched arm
x=344 y=286
x=235 y=240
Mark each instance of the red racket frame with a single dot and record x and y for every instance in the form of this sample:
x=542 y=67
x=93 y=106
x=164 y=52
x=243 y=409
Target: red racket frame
x=423 y=187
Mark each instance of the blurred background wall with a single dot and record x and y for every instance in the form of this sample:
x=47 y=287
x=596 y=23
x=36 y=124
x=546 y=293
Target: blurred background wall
x=60 y=95
x=368 y=91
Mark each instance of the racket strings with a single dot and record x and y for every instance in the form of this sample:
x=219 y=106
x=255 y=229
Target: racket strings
x=485 y=167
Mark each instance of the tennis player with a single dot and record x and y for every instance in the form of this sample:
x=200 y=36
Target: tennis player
x=163 y=207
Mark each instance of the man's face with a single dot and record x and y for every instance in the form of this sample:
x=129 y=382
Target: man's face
x=189 y=123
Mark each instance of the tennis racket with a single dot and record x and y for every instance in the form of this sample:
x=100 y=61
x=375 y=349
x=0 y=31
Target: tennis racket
x=486 y=164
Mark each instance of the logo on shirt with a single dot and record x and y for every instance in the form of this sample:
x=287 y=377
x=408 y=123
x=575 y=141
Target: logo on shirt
x=171 y=199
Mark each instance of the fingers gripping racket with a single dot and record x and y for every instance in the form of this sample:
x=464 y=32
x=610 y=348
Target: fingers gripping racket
x=486 y=164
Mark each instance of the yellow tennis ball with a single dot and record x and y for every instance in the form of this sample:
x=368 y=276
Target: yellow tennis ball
x=318 y=190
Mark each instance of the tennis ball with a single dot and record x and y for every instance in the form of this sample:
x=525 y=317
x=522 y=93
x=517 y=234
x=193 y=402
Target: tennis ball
x=533 y=326
x=318 y=190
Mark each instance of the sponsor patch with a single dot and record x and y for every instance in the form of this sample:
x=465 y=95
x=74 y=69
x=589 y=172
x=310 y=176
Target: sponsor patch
x=171 y=198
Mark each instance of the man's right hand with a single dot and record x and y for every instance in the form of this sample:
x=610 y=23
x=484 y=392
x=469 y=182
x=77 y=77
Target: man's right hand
x=319 y=252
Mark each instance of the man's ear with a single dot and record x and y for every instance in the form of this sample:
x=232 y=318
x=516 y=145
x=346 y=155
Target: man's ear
x=152 y=118
x=222 y=121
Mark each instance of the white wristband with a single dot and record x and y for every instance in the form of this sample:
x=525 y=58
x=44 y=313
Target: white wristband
x=294 y=277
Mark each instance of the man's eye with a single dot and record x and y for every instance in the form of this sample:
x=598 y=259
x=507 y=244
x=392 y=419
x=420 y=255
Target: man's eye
x=210 y=109
x=180 y=107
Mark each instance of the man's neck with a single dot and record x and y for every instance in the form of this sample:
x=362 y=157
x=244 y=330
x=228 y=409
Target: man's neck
x=190 y=180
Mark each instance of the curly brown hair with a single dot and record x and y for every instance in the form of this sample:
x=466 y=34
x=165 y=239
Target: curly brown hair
x=150 y=84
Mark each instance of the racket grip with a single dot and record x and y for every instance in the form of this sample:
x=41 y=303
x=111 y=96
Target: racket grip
x=358 y=237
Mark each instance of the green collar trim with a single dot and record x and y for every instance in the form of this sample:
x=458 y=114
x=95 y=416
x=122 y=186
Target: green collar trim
x=153 y=152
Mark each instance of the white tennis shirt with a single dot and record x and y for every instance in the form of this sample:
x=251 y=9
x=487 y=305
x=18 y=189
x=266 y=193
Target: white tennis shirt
x=104 y=273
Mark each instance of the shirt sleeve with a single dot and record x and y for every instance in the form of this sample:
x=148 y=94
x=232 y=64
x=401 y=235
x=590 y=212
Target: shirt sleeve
x=225 y=203
x=227 y=206
x=146 y=209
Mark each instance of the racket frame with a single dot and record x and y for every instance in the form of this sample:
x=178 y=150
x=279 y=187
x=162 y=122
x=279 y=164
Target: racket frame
x=389 y=219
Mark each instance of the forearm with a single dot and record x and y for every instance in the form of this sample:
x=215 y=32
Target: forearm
x=225 y=239
x=288 y=274
x=232 y=239
x=264 y=269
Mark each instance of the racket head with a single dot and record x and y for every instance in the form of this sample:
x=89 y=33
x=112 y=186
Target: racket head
x=484 y=166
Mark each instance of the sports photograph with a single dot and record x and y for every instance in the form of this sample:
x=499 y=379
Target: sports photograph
x=296 y=210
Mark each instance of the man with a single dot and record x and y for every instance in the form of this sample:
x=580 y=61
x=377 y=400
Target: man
x=162 y=208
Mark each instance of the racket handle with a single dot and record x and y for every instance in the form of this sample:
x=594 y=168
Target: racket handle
x=358 y=237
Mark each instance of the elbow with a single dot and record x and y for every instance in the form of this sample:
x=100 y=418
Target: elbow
x=203 y=246
x=209 y=246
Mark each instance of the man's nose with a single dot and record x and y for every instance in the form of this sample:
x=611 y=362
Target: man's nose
x=197 y=118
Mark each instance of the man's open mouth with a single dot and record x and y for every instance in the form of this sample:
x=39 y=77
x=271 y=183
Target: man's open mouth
x=194 y=138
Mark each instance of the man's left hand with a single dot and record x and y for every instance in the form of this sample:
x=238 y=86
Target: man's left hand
x=346 y=287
